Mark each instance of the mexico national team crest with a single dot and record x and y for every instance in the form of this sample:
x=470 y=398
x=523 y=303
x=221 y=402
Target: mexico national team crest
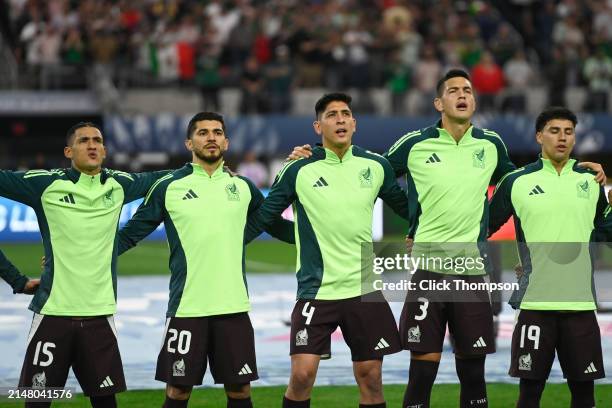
x=414 y=334
x=108 y=199
x=301 y=338
x=583 y=189
x=178 y=368
x=524 y=362
x=39 y=380
x=233 y=194
x=478 y=158
x=365 y=178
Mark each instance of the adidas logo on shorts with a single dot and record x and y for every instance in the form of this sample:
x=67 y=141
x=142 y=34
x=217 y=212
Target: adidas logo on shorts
x=590 y=369
x=480 y=343
x=382 y=344
x=245 y=370
x=106 y=383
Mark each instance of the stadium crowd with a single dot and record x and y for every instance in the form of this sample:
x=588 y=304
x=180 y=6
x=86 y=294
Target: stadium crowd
x=268 y=48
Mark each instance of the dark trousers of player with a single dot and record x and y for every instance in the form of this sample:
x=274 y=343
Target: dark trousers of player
x=423 y=323
x=227 y=342
x=88 y=345
x=575 y=338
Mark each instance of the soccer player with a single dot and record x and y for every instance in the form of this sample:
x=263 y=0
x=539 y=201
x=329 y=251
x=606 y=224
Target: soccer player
x=557 y=208
x=333 y=194
x=11 y=275
x=449 y=167
x=206 y=211
x=78 y=211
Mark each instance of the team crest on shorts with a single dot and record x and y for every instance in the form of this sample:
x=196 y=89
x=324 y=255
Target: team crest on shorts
x=414 y=334
x=524 y=362
x=39 y=380
x=178 y=368
x=301 y=338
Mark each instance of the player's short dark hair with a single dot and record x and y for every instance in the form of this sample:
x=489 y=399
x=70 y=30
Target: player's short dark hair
x=453 y=73
x=326 y=99
x=74 y=128
x=191 y=127
x=554 y=112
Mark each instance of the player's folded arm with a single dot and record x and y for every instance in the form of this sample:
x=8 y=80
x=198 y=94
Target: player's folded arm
x=11 y=275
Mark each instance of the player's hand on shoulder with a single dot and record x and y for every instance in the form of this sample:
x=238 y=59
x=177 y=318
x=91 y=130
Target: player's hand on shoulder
x=299 y=152
x=31 y=286
x=518 y=269
x=600 y=177
x=409 y=245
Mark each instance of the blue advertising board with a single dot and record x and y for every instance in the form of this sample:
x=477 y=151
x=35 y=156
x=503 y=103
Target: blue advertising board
x=276 y=135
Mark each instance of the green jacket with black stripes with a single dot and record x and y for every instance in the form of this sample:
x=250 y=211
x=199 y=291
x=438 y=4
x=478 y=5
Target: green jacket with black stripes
x=78 y=216
x=333 y=202
x=556 y=215
x=447 y=184
x=208 y=220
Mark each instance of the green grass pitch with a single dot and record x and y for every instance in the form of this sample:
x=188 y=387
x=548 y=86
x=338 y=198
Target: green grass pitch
x=444 y=395
x=151 y=258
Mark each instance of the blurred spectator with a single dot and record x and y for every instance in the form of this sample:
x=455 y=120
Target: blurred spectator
x=488 y=21
x=240 y=40
x=253 y=87
x=310 y=55
x=504 y=43
x=567 y=33
x=427 y=72
x=49 y=42
x=357 y=41
x=602 y=20
x=73 y=48
x=409 y=41
x=557 y=73
x=470 y=45
x=598 y=74
x=544 y=21
x=280 y=78
x=398 y=83
x=255 y=170
x=208 y=79
x=518 y=75
x=488 y=81
x=103 y=45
